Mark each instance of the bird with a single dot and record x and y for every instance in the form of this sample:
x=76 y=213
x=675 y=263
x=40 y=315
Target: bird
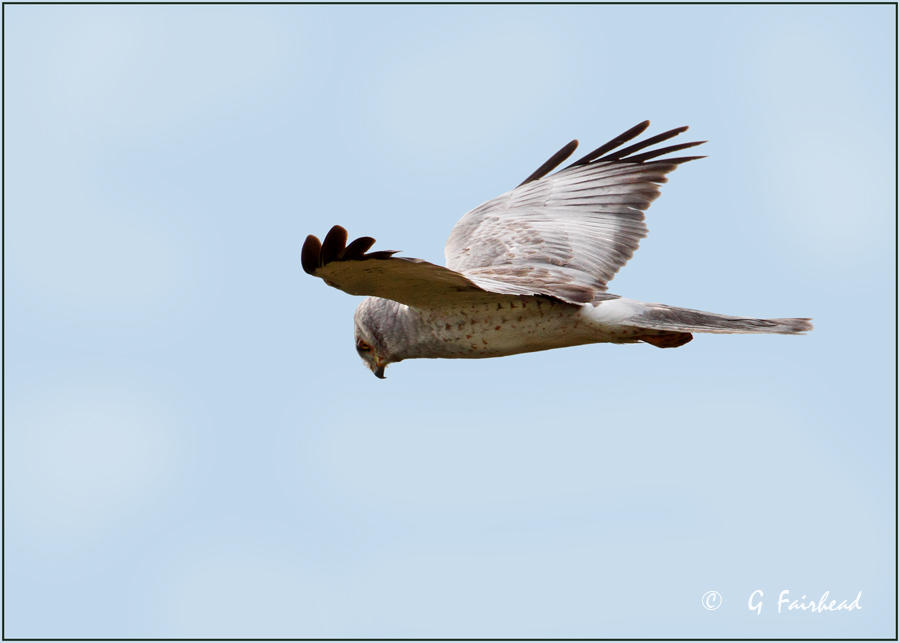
x=528 y=270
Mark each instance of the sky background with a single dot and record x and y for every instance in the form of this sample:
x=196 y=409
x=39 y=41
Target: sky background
x=194 y=449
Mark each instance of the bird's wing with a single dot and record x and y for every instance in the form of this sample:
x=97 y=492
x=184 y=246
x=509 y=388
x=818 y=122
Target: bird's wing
x=351 y=268
x=565 y=235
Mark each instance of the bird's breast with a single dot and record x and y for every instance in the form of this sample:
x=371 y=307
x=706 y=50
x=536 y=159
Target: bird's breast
x=506 y=325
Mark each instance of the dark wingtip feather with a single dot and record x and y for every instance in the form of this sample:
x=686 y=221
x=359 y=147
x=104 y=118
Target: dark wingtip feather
x=640 y=158
x=357 y=248
x=624 y=137
x=333 y=245
x=552 y=163
x=309 y=255
x=678 y=160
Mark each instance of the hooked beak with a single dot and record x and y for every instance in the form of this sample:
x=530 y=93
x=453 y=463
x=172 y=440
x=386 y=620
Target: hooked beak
x=378 y=369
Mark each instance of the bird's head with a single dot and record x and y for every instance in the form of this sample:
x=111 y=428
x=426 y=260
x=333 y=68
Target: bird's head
x=373 y=323
x=371 y=358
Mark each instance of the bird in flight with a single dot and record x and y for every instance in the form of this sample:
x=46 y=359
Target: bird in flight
x=526 y=271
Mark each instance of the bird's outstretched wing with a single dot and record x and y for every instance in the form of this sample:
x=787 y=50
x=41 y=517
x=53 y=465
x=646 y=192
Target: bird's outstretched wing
x=351 y=268
x=565 y=235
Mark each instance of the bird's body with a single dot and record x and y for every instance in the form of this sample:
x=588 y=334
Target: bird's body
x=513 y=324
x=516 y=324
x=526 y=271
x=507 y=325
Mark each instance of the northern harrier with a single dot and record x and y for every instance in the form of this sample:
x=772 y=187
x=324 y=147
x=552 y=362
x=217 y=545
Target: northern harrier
x=526 y=271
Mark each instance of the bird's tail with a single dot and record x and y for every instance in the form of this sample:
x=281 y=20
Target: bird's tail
x=685 y=320
x=670 y=319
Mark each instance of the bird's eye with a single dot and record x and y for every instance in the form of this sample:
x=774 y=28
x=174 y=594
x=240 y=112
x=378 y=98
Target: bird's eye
x=362 y=347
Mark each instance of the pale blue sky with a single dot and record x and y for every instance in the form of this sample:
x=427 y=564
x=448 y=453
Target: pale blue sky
x=194 y=448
